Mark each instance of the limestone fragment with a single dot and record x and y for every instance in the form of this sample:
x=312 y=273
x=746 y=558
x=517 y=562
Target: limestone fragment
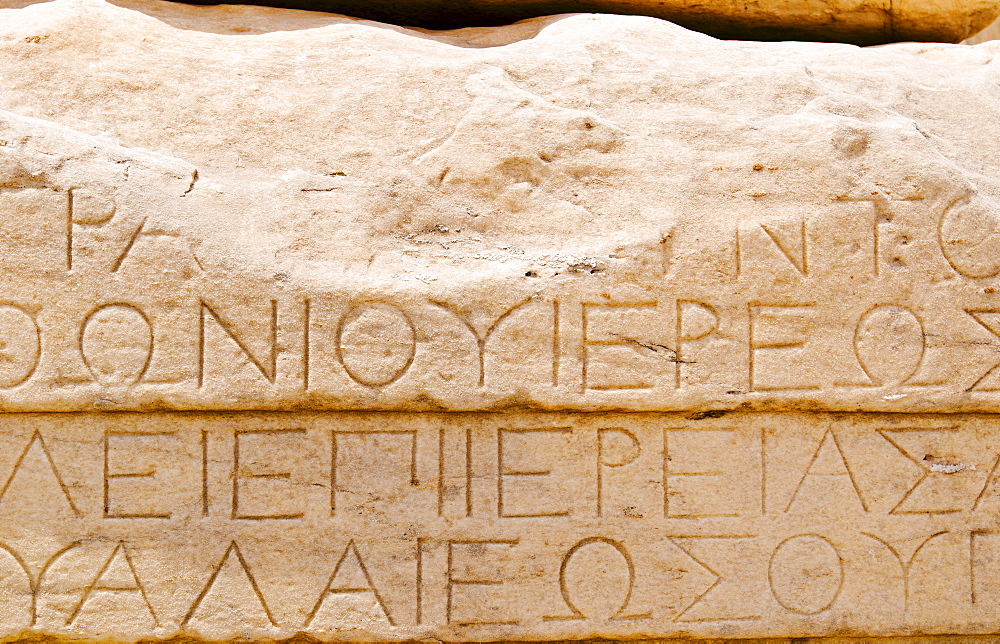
x=590 y=326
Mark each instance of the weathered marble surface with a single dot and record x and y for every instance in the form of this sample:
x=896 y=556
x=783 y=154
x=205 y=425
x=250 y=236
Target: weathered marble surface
x=587 y=326
x=477 y=527
x=614 y=213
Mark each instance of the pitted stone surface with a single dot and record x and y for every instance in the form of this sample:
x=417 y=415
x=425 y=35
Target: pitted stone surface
x=589 y=326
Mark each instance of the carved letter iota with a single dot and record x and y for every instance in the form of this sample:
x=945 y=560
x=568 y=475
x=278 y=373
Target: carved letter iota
x=116 y=342
x=376 y=344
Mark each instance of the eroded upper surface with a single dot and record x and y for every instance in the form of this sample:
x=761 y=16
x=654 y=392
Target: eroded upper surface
x=233 y=208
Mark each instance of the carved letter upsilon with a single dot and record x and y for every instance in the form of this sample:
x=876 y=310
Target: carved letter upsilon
x=482 y=338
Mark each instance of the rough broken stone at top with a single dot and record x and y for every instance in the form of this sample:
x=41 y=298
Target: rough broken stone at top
x=853 y=21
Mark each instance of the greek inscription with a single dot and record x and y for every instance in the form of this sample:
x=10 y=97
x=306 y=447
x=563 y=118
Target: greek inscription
x=611 y=522
x=114 y=442
x=584 y=590
x=350 y=578
x=376 y=344
x=806 y=574
x=464 y=574
x=20 y=345
x=116 y=343
x=268 y=367
x=662 y=347
x=519 y=492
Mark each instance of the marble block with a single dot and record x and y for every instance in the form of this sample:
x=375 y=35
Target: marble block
x=588 y=326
